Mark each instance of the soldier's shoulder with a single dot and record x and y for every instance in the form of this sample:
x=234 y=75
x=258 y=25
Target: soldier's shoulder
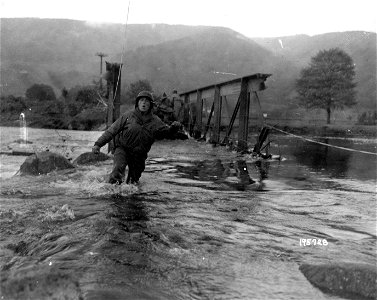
x=128 y=113
x=157 y=120
x=155 y=117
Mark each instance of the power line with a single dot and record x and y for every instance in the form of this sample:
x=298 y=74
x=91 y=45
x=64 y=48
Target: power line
x=320 y=143
x=123 y=50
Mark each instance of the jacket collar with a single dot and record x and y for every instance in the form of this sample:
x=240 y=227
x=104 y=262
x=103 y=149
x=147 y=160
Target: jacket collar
x=143 y=117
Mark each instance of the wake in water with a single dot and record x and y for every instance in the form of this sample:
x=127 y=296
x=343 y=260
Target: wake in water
x=93 y=184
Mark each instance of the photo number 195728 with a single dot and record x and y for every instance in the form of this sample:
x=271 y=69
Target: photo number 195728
x=313 y=242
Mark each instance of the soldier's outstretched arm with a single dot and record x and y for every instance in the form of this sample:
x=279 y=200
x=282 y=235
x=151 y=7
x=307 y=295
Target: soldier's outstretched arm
x=111 y=132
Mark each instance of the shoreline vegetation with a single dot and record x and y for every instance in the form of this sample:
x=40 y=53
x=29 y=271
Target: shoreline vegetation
x=331 y=130
x=350 y=131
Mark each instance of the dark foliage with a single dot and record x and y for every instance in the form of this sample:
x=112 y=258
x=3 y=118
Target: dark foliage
x=368 y=118
x=41 y=92
x=12 y=104
x=87 y=97
x=64 y=93
x=77 y=108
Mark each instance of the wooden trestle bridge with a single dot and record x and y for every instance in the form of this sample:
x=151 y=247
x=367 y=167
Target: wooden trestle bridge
x=205 y=107
x=230 y=96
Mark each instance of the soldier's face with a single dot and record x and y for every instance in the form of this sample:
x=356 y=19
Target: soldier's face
x=144 y=104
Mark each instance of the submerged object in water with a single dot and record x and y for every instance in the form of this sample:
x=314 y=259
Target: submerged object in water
x=43 y=163
x=89 y=158
x=347 y=279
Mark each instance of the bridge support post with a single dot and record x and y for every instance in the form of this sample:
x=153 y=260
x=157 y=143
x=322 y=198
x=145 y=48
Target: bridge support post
x=244 y=111
x=199 y=115
x=215 y=138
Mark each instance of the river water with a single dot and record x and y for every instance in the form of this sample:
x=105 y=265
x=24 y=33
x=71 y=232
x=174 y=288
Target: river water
x=204 y=223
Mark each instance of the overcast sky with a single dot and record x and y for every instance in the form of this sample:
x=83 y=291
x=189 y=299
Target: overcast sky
x=268 y=18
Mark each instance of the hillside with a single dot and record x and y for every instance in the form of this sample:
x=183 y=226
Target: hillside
x=193 y=61
x=62 y=53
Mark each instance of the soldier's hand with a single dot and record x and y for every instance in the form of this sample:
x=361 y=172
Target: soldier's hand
x=96 y=149
x=176 y=124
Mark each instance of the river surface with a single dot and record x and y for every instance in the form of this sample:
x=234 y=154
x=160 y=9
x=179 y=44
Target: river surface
x=204 y=223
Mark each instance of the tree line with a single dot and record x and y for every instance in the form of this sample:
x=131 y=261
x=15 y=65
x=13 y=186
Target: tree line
x=327 y=83
x=78 y=108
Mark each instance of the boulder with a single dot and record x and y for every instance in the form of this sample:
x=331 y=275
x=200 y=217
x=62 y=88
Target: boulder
x=43 y=163
x=90 y=158
x=349 y=280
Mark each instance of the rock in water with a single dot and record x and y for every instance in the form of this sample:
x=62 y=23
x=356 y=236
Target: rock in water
x=43 y=163
x=347 y=279
x=89 y=158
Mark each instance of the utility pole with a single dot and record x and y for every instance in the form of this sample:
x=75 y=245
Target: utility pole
x=113 y=79
x=101 y=55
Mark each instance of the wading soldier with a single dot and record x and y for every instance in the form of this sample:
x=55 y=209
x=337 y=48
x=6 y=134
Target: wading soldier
x=133 y=135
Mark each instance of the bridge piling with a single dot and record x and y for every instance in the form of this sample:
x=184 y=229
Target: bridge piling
x=245 y=87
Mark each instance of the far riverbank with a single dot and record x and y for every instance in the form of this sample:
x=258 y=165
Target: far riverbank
x=330 y=130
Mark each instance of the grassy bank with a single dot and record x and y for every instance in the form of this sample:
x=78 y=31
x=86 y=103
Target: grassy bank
x=368 y=131
x=332 y=130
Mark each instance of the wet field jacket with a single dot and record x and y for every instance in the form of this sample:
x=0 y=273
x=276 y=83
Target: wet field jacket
x=136 y=132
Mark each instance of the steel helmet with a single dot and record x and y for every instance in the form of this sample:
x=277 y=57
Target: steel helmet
x=145 y=94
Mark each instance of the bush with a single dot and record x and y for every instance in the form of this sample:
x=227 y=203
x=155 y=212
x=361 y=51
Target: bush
x=88 y=119
x=12 y=104
x=41 y=92
x=87 y=97
x=368 y=118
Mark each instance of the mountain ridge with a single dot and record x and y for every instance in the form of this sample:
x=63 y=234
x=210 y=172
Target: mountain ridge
x=62 y=53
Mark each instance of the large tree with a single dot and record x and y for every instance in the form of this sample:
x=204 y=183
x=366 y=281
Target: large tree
x=40 y=92
x=327 y=82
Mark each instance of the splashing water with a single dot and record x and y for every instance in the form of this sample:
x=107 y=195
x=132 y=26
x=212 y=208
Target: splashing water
x=196 y=227
x=23 y=130
x=91 y=183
